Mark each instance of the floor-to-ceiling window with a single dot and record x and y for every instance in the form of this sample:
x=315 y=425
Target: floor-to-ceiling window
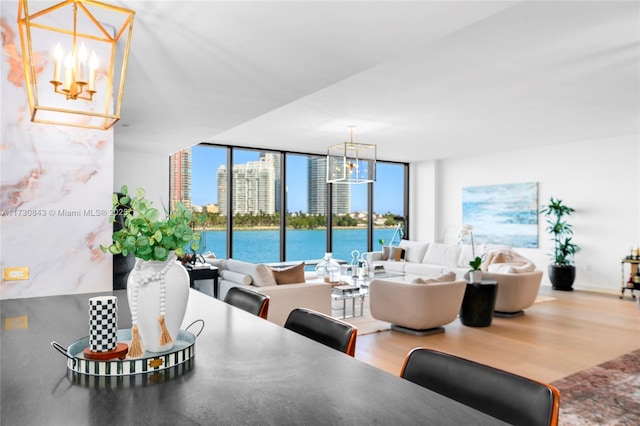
x=306 y=220
x=198 y=179
x=269 y=206
x=254 y=195
x=389 y=204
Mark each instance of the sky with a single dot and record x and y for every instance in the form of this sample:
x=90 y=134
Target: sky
x=205 y=160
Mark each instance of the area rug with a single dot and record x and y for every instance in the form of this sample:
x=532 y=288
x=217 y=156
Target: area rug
x=366 y=324
x=541 y=299
x=607 y=394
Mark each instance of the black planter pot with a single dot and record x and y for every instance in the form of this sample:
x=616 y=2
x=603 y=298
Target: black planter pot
x=121 y=265
x=562 y=277
x=121 y=268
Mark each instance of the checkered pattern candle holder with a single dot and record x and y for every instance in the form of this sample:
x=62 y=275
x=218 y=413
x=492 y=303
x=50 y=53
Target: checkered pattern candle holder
x=103 y=323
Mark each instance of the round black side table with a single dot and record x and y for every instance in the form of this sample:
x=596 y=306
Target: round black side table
x=478 y=303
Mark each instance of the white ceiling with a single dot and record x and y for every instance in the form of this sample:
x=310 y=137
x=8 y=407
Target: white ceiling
x=422 y=80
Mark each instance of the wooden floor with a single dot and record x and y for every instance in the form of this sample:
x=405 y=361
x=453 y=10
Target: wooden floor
x=552 y=340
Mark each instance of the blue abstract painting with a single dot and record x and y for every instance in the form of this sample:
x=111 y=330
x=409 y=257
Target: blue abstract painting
x=502 y=214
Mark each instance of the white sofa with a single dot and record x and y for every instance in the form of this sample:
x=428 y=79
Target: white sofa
x=313 y=293
x=431 y=259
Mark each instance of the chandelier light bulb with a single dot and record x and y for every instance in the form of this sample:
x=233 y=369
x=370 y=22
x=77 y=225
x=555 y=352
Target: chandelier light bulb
x=81 y=65
x=94 y=62
x=58 y=54
x=68 y=76
x=93 y=67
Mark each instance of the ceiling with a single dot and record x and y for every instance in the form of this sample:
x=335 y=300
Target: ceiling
x=423 y=79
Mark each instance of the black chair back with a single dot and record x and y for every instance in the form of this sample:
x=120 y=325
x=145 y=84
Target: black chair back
x=248 y=300
x=514 y=399
x=324 y=329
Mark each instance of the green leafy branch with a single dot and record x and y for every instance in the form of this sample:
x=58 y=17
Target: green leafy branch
x=146 y=235
x=475 y=264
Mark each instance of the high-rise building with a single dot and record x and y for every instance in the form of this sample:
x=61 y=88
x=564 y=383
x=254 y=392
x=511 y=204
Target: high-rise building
x=317 y=190
x=180 y=178
x=253 y=187
x=275 y=160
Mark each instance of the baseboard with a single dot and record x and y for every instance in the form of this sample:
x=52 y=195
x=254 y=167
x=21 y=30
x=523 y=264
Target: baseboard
x=508 y=314
x=412 y=331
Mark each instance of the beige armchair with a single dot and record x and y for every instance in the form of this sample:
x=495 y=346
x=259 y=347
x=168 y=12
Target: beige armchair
x=418 y=309
x=516 y=291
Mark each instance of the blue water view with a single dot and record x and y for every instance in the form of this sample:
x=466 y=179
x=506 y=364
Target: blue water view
x=261 y=246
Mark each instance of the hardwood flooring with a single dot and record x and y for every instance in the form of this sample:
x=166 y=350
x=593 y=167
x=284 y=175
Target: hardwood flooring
x=552 y=340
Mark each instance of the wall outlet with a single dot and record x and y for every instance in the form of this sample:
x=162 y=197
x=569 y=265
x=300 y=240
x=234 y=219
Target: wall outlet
x=19 y=273
x=16 y=323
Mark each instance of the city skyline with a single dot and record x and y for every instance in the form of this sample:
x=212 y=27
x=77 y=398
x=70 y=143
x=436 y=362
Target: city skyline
x=205 y=161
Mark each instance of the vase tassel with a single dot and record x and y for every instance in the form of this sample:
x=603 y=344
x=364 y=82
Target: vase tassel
x=165 y=337
x=135 y=349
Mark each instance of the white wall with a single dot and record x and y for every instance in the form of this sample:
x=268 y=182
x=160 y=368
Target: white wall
x=600 y=179
x=146 y=170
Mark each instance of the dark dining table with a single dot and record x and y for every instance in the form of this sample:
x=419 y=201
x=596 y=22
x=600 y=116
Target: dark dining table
x=246 y=370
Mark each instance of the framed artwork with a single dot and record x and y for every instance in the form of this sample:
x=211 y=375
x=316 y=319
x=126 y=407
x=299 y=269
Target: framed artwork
x=502 y=214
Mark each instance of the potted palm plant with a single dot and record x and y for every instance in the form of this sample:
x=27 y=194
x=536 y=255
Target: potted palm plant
x=562 y=271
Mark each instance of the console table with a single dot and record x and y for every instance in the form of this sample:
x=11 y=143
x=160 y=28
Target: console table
x=206 y=272
x=292 y=380
x=626 y=285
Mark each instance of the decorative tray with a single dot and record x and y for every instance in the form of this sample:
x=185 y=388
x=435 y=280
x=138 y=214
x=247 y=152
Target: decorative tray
x=150 y=362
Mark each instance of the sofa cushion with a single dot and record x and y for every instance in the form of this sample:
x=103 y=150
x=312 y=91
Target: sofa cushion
x=444 y=278
x=218 y=263
x=396 y=254
x=414 y=250
x=290 y=275
x=260 y=274
x=236 y=277
x=465 y=255
x=385 y=253
x=441 y=254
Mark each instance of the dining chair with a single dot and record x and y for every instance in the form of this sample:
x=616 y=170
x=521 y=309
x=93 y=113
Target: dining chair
x=509 y=397
x=248 y=300
x=324 y=329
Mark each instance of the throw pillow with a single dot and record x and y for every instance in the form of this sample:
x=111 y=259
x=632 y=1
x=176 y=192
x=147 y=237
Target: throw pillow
x=291 y=275
x=511 y=268
x=219 y=263
x=396 y=253
x=385 y=252
x=414 y=251
x=236 y=277
x=441 y=254
x=260 y=274
x=444 y=278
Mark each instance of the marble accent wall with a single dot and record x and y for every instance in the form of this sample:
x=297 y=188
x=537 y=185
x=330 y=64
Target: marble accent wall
x=56 y=184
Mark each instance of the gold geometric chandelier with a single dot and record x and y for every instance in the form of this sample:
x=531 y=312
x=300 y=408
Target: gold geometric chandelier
x=351 y=162
x=75 y=56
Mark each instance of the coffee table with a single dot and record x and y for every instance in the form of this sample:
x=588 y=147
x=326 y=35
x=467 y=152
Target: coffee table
x=354 y=295
x=363 y=290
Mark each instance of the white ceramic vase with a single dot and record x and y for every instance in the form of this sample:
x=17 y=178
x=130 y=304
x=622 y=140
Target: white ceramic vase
x=328 y=268
x=475 y=276
x=144 y=292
